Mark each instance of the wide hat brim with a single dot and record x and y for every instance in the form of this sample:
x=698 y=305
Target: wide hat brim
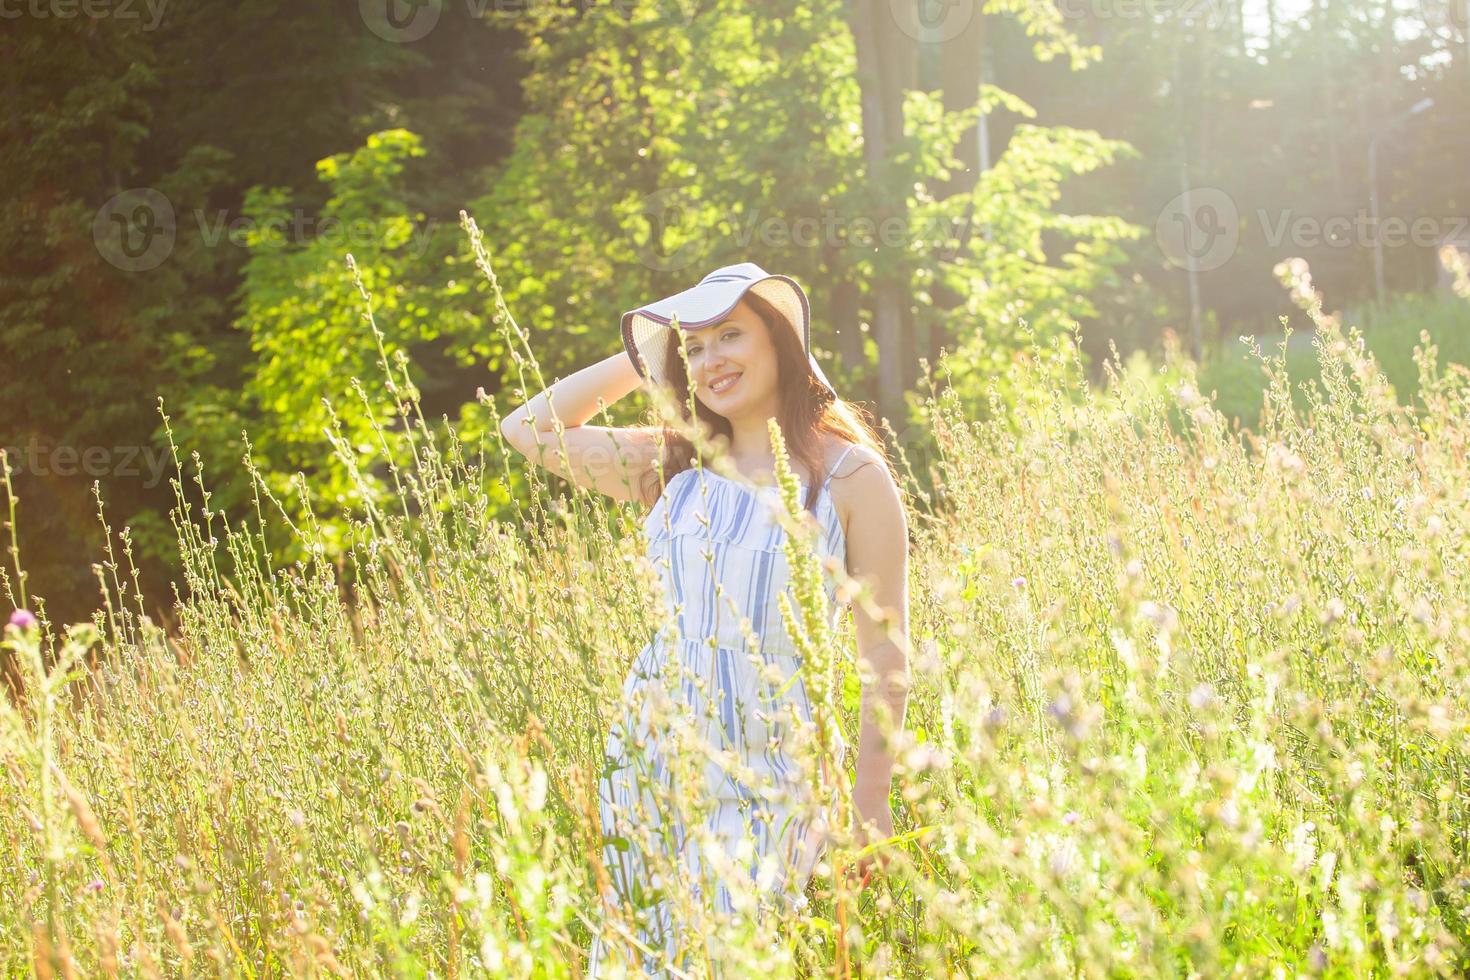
x=646 y=329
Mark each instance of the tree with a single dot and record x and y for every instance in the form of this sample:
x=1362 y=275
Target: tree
x=725 y=156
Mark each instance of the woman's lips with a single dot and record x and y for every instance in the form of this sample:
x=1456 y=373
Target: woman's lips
x=724 y=382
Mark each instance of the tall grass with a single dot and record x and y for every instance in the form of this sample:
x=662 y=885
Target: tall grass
x=1390 y=332
x=1184 y=703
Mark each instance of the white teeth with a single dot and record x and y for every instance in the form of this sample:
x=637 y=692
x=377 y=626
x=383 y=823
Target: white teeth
x=724 y=383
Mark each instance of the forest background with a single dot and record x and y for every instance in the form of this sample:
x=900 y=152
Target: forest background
x=184 y=180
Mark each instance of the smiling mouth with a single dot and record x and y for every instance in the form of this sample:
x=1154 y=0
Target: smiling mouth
x=724 y=382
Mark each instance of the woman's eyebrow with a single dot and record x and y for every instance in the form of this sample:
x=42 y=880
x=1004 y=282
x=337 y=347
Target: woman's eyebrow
x=717 y=326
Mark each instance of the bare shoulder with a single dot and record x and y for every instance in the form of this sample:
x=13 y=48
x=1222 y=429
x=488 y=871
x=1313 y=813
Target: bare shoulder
x=854 y=457
x=862 y=485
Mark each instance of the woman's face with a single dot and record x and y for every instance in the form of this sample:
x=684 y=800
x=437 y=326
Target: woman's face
x=733 y=365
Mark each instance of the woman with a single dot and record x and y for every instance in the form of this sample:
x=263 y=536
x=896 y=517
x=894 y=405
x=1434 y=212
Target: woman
x=718 y=549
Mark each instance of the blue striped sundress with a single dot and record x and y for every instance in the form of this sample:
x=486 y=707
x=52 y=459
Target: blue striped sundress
x=718 y=551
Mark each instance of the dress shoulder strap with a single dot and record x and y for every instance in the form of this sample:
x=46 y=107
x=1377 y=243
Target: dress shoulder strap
x=838 y=464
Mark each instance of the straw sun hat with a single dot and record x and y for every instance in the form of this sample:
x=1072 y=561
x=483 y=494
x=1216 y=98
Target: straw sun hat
x=646 y=329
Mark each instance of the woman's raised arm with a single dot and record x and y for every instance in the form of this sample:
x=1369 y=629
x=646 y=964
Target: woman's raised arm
x=614 y=461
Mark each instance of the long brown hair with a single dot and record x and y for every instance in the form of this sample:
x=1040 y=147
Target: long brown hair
x=808 y=409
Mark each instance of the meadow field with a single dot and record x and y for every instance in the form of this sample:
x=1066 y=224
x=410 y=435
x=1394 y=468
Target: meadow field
x=1186 y=701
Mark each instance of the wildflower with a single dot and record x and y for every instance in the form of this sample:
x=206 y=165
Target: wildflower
x=1284 y=459
x=1263 y=759
x=1126 y=652
x=1160 y=614
x=22 y=619
x=1303 y=847
x=1422 y=610
x=1317 y=958
x=995 y=718
x=923 y=756
x=1061 y=708
x=1062 y=712
x=1061 y=861
x=1019 y=582
x=1202 y=697
x=95 y=885
x=1334 y=610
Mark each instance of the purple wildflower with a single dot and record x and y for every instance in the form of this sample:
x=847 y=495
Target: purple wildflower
x=1060 y=709
x=22 y=619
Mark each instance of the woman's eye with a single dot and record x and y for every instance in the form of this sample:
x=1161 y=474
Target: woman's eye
x=728 y=335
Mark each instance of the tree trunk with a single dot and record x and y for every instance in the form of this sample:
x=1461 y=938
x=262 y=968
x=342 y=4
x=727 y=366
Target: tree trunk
x=961 y=70
x=844 y=302
x=887 y=65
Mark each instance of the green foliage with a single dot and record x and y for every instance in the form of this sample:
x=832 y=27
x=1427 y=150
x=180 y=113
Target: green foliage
x=695 y=131
x=1023 y=298
x=198 y=103
x=310 y=339
x=736 y=153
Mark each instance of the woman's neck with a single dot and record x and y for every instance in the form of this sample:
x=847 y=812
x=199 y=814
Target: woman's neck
x=750 y=448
